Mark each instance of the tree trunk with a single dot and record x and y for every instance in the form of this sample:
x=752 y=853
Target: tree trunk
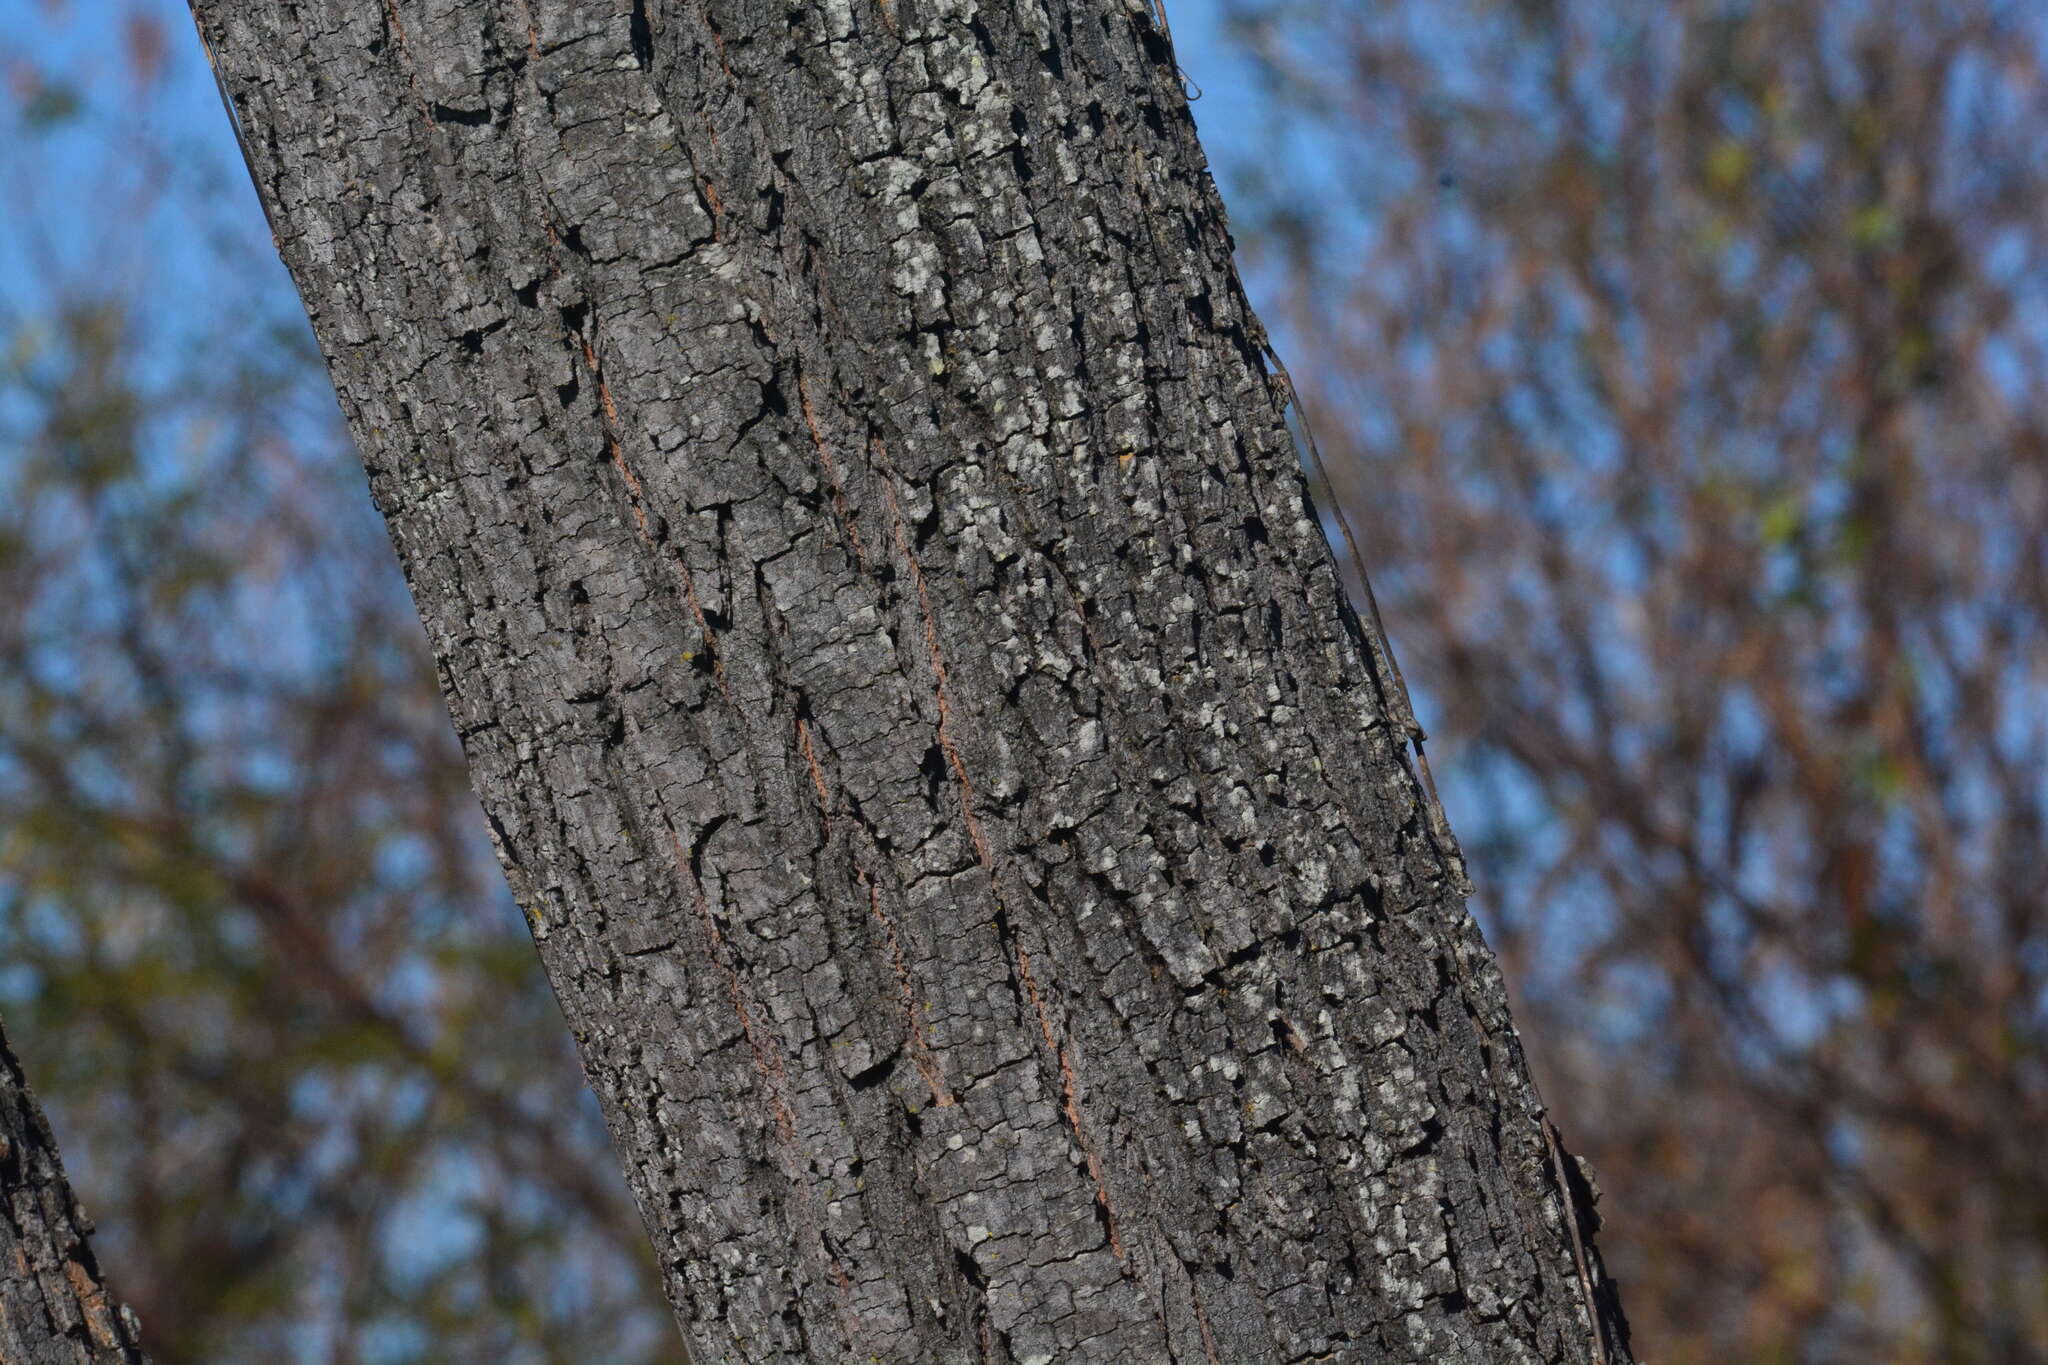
x=908 y=683
x=54 y=1309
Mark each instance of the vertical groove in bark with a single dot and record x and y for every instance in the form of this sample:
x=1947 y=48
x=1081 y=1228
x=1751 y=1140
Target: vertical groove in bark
x=54 y=1308
x=871 y=576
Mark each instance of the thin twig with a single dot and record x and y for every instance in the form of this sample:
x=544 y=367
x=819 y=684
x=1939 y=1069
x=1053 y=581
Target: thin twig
x=1571 y=1222
x=1392 y=684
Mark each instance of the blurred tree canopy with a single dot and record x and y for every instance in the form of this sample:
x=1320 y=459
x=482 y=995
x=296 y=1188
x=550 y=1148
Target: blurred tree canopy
x=294 y=1039
x=1683 y=369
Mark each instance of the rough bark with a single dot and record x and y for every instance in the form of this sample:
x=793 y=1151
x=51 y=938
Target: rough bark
x=54 y=1307
x=876 y=589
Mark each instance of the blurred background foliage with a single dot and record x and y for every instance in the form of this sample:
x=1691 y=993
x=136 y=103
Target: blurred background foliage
x=1682 y=367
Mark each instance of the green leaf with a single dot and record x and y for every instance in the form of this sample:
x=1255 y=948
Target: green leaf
x=1781 y=520
x=1874 y=226
x=1728 y=165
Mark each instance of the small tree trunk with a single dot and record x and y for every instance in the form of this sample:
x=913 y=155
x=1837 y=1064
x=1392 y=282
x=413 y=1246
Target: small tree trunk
x=875 y=586
x=54 y=1309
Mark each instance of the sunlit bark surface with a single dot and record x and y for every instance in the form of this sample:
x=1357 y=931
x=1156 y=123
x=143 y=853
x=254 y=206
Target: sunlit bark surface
x=874 y=584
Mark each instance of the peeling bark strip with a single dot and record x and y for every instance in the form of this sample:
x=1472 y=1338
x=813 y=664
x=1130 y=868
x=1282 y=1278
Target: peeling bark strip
x=875 y=585
x=53 y=1308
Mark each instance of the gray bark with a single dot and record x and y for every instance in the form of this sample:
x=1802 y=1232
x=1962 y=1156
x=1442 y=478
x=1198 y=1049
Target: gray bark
x=54 y=1306
x=876 y=589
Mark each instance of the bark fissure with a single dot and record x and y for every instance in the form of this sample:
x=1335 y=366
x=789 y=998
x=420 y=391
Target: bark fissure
x=888 y=623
